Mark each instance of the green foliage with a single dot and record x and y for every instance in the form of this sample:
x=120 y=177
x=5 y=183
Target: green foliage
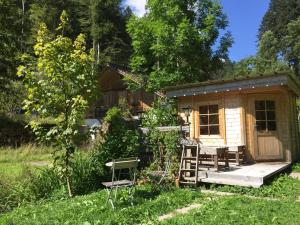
x=12 y=38
x=11 y=99
x=279 y=14
x=60 y=83
x=117 y=140
x=92 y=209
x=105 y=24
x=83 y=176
x=267 y=59
x=174 y=41
x=296 y=167
x=25 y=179
x=162 y=144
x=162 y=113
x=292 y=44
x=281 y=19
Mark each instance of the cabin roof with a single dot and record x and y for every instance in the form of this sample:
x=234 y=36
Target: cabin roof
x=236 y=84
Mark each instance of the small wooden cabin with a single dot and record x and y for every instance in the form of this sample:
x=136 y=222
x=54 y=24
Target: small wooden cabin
x=112 y=89
x=259 y=112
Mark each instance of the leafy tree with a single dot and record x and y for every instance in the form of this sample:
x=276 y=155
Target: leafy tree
x=266 y=60
x=117 y=139
x=48 y=12
x=292 y=45
x=279 y=15
x=60 y=83
x=104 y=21
x=174 y=41
x=13 y=28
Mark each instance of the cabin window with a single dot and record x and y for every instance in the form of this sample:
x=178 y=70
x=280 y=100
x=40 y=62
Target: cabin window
x=209 y=120
x=265 y=116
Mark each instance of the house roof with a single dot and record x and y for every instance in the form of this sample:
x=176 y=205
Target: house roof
x=236 y=84
x=124 y=71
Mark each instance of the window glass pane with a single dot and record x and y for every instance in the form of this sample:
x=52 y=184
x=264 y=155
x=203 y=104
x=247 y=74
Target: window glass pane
x=271 y=125
x=203 y=119
x=270 y=105
x=260 y=105
x=260 y=125
x=204 y=130
x=213 y=109
x=260 y=115
x=271 y=115
x=214 y=129
x=203 y=109
x=213 y=119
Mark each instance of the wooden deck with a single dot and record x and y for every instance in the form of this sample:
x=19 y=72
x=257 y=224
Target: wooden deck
x=246 y=175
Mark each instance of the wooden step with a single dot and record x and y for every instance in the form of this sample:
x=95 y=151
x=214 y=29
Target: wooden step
x=189 y=158
x=188 y=170
x=186 y=182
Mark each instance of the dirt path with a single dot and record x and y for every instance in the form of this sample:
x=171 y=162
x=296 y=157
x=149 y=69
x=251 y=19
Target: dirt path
x=39 y=163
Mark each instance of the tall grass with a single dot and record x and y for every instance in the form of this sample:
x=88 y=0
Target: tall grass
x=25 y=153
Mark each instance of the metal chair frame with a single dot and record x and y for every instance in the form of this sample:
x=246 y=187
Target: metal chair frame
x=117 y=166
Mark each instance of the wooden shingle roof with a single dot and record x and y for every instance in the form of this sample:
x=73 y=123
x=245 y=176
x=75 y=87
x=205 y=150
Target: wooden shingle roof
x=236 y=84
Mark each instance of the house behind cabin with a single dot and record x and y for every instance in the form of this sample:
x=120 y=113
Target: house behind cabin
x=113 y=90
x=259 y=112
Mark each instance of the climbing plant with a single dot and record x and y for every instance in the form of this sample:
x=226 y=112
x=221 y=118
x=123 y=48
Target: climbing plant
x=163 y=144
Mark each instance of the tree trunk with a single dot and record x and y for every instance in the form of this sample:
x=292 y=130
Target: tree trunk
x=98 y=53
x=22 y=25
x=23 y=14
x=68 y=173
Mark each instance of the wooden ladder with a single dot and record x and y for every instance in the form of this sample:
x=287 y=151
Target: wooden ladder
x=189 y=165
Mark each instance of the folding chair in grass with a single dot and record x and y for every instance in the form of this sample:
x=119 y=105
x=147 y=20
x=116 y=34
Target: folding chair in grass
x=121 y=168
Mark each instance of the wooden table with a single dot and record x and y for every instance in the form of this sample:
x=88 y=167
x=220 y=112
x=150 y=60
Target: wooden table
x=217 y=153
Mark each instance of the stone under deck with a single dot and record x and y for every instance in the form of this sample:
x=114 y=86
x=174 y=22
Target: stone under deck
x=252 y=175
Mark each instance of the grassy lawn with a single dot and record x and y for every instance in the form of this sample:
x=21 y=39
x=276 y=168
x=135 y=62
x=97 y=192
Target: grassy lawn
x=282 y=186
x=92 y=209
x=151 y=203
x=13 y=160
x=296 y=168
x=241 y=210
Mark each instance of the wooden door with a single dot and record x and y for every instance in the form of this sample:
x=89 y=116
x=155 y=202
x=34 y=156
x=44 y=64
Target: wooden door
x=265 y=125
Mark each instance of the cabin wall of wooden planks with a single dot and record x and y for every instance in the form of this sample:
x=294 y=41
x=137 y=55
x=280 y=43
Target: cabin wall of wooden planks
x=236 y=119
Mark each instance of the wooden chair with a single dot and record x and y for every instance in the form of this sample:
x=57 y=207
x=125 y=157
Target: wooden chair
x=118 y=166
x=237 y=154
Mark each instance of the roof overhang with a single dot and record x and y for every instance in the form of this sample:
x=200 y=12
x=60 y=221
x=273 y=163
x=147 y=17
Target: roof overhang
x=237 y=84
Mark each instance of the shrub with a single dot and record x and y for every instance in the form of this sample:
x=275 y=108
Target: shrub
x=118 y=139
x=83 y=177
x=13 y=131
x=162 y=144
x=6 y=199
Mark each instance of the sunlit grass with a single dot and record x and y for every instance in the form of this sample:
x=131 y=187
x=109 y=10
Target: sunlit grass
x=12 y=160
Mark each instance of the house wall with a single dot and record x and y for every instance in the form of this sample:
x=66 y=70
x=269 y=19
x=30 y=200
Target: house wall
x=111 y=89
x=237 y=119
x=293 y=127
x=229 y=118
x=234 y=121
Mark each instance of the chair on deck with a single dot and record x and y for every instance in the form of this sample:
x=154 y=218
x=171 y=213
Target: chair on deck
x=119 y=168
